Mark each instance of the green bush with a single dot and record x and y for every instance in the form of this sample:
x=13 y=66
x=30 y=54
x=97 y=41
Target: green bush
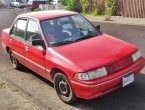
x=64 y=2
x=37 y=9
x=97 y=12
x=85 y=4
x=72 y=5
x=110 y=8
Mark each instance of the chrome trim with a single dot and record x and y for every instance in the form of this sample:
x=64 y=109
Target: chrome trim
x=35 y=63
x=107 y=81
x=18 y=54
x=31 y=61
x=48 y=70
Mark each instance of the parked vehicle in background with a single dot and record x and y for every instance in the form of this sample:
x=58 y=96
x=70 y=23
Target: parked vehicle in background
x=32 y=4
x=18 y=4
x=55 y=2
x=72 y=53
x=1 y=5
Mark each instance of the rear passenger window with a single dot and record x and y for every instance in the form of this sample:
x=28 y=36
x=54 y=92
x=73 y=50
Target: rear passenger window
x=14 y=29
x=18 y=30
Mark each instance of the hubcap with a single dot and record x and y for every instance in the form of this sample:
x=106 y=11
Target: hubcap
x=63 y=87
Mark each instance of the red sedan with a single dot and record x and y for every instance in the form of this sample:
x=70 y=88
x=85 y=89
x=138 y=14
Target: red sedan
x=66 y=49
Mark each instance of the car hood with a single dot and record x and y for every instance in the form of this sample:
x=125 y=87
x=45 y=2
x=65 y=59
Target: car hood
x=94 y=52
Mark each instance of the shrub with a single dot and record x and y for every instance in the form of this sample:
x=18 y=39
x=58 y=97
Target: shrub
x=64 y=2
x=85 y=5
x=97 y=11
x=73 y=5
x=37 y=9
x=110 y=8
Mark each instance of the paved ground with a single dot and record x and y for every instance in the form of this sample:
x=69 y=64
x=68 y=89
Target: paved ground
x=24 y=90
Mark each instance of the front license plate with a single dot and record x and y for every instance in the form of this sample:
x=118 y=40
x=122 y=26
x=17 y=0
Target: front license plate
x=127 y=79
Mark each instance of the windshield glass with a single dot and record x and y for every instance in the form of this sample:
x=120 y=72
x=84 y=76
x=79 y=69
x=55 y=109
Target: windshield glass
x=68 y=29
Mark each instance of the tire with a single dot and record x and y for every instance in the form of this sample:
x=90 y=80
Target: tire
x=63 y=88
x=14 y=61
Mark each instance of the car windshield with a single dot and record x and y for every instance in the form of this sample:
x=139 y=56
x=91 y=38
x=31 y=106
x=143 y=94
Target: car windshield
x=68 y=29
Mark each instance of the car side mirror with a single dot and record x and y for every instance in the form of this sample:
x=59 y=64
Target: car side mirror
x=98 y=27
x=38 y=42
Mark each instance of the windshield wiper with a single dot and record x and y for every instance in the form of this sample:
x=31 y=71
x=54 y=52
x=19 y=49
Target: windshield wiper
x=60 y=43
x=85 y=37
x=71 y=41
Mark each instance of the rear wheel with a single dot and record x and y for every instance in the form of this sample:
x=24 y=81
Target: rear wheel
x=14 y=61
x=63 y=88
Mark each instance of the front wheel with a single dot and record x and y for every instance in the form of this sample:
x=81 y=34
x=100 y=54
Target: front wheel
x=14 y=61
x=63 y=88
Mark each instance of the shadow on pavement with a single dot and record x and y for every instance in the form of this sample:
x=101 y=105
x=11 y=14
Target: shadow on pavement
x=27 y=70
x=131 y=97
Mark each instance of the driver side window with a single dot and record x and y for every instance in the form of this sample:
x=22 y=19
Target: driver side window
x=32 y=32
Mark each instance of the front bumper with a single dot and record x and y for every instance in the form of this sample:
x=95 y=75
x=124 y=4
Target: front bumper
x=101 y=86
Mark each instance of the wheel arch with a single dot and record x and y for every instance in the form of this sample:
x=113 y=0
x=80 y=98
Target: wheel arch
x=56 y=70
x=7 y=49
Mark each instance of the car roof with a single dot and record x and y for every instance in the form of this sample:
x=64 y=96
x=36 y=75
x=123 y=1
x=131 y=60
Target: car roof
x=43 y=15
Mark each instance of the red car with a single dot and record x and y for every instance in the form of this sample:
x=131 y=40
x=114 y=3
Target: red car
x=66 y=49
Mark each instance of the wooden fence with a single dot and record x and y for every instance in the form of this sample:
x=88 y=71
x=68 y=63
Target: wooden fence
x=131 y=8
x=126 y=8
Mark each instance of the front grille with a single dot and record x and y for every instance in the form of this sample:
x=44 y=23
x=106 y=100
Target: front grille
x=119 y=65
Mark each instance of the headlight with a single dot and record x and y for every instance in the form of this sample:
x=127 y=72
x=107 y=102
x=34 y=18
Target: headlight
x=136 y=56
x=92 y=74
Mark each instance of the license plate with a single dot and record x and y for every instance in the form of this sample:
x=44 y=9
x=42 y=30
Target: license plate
x=127 y=79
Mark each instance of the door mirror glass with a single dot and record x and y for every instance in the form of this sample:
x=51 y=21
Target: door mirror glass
x=32 y=31
x=38 y=42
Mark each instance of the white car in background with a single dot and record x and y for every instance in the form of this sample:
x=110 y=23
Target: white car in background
x=18 y=4
x=55 y=2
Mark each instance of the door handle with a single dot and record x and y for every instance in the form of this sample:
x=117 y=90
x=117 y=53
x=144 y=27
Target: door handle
x=26 y=48
x=10 y=40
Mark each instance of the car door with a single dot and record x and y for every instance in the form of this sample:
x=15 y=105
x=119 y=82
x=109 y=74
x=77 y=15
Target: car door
x=16 y=39
x=34 y=55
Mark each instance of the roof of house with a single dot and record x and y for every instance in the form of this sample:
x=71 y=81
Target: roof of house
x=43 y=15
